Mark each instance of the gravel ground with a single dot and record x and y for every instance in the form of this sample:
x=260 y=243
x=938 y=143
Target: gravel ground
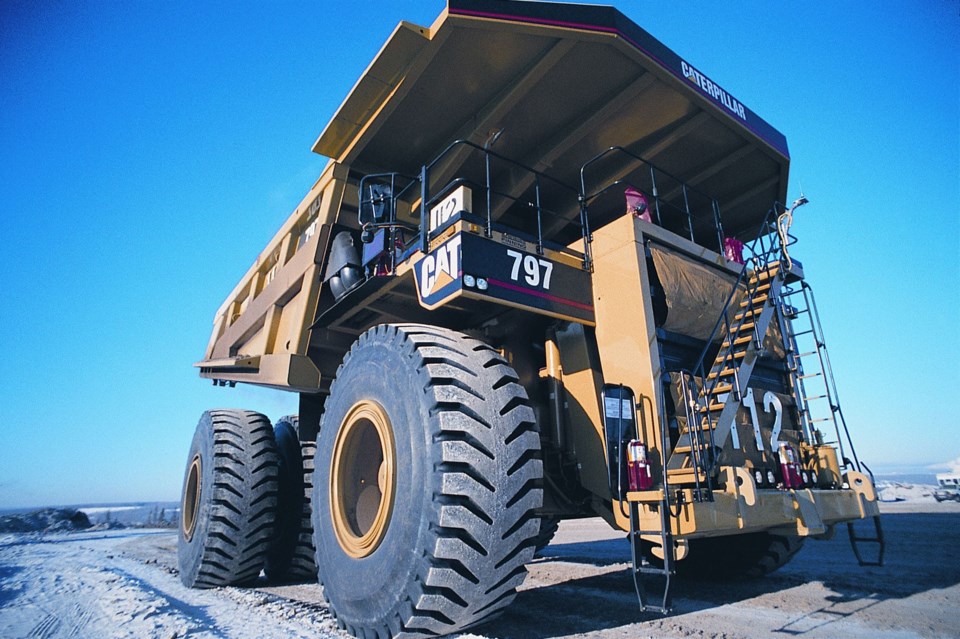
x=124 y=584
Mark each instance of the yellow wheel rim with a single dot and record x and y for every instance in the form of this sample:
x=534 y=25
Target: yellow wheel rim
x=191 y=498
x=363 y=478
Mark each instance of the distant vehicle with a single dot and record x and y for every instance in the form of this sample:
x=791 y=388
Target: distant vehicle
x=948 y=487
x=545 y=275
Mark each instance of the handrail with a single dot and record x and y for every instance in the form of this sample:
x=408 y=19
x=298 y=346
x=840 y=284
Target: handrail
x=426 y=197
x=755 y=259
x=695 y=432
x=658 y=200
x=664 y=459
x=759 y=261
x=487 y=154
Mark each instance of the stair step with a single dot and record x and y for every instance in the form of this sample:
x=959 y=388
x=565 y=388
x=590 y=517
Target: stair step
x=719 y=389
x=737 y=342
x=756 y=300
x=715 y=406
x=727 y=356
x=765 y=274
x=705 y=427
x=727 y=372
x=645 y=496
x=686 y=474
x=744 y=327
x=748 y=313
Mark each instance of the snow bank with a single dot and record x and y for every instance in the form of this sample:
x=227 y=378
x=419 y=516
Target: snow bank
x=897 y=491
x=99 y=510
x=45 y=520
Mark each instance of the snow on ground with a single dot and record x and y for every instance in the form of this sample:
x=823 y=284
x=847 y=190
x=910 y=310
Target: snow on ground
x=83 y=585
x=123 y=583
x=896 y=491
x=100 y=510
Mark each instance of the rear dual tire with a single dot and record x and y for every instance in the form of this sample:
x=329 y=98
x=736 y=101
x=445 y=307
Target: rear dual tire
x=229 y=500
x=291 y=553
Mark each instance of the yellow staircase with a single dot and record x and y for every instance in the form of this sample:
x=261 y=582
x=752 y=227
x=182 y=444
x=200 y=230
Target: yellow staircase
x=718 y=392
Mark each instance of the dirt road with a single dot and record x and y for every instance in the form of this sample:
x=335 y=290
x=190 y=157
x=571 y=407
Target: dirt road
x=124 y=584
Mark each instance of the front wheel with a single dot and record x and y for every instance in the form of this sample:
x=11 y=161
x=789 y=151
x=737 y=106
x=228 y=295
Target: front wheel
x=428 y=475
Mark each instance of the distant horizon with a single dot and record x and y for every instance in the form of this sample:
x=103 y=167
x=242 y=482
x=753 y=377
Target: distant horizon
x=880 y=471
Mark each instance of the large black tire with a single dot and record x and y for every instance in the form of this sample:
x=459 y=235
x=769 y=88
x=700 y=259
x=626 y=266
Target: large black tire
x=745 y=556
x=428 y=474
x=229 y=500
x=303 y=566
x=289 y=500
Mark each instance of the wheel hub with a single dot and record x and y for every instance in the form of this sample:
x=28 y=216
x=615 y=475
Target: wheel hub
x=362 y=479
x=191 y=498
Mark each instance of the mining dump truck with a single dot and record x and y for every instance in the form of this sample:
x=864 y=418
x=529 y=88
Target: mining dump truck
x=546 y=274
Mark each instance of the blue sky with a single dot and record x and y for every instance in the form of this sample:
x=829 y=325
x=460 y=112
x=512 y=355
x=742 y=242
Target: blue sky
x=150 y=150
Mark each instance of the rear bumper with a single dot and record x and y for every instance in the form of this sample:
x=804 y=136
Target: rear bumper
x=744 y=508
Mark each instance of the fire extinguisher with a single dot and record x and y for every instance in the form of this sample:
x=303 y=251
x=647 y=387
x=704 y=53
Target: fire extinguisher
x=638 y=468
x=790 y=467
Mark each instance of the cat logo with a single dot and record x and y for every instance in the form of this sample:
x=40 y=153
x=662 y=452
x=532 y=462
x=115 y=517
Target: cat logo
x=439 y=268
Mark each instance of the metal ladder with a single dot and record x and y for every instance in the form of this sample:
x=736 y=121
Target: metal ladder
x=642 y=567
x=815 y=392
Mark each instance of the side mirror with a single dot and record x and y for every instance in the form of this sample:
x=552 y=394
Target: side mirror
x=366 y=235
x=376 y=204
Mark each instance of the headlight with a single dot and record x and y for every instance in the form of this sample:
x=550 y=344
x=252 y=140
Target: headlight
x=469 y=280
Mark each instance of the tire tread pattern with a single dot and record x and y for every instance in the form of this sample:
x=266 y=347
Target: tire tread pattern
x=304 y=563
x=242 y=507
x=482 y=535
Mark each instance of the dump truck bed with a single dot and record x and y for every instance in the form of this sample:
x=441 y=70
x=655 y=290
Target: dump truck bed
x=554 y=84
x=563 y=82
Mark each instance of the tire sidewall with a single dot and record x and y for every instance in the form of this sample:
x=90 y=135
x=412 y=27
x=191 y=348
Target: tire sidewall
x=190 y=551
x=384 y=371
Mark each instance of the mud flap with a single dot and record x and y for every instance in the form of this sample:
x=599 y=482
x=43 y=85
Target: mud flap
x=809 y=522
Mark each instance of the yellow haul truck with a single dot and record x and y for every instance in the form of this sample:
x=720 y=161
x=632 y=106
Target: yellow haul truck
x=546 y=274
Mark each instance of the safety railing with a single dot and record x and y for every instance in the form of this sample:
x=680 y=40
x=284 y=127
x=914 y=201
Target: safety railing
x=675 y=205
x=764 y=251
x=387 y=190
